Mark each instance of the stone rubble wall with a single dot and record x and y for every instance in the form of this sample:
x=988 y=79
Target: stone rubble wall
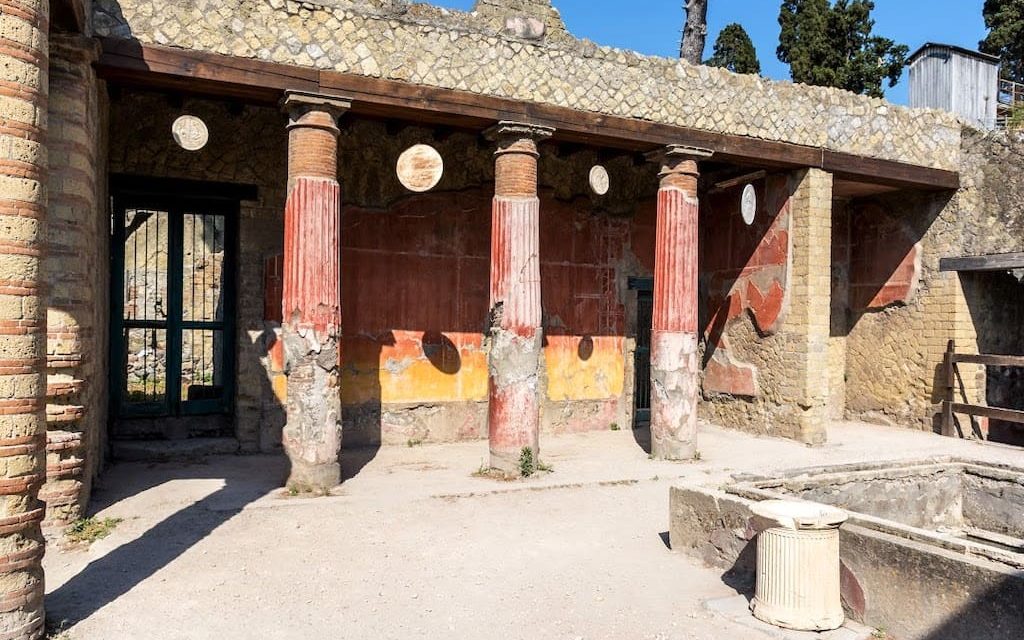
x=501 y=50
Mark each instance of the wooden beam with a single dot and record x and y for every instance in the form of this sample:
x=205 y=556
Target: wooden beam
x=989 y=360
x=991 y=262
x=993 y=413
x=130 y=63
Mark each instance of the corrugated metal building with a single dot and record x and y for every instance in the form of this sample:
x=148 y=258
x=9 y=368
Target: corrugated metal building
x=956 y=79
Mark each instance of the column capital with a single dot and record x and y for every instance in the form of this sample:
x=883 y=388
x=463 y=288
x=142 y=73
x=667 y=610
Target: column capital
x=675 y=158
x=299 y=104
x=508 y=133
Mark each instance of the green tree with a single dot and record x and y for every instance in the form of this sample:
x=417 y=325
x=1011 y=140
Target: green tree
x=1005 y=22
x=833 y=46
x=735 y=51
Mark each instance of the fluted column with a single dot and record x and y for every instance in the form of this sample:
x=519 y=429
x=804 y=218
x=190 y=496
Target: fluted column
x=674 y=365
x=23 y=105
x=312 y=292
x=515 y=317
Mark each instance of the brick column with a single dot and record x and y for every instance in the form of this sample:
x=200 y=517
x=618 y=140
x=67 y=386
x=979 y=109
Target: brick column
x=675 y=369
x=23 y=97
x=807 y=326
x=513 y=362
x=311 y=326
x=73 y=270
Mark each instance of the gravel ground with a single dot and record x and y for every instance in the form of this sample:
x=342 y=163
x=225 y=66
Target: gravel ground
x=412 y=546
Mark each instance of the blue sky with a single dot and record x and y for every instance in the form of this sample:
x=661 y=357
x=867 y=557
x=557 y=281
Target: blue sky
x=653 y=26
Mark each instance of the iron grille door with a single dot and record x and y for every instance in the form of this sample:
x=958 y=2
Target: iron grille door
x=172 y=298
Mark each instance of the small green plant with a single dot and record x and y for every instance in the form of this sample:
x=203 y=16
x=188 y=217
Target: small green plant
x=650 y=456
x=527 y=464
x=413 y=442
x=880 y=634
x=615 y=426
x=1016 y=120
x=544 y=467
x=89 y=530
x=697 y=456
x=293 y=491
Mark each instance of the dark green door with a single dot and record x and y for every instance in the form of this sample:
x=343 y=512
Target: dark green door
x=172 y=301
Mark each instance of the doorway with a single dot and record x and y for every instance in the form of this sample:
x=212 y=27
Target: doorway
x=172 y=310
x=642 y=352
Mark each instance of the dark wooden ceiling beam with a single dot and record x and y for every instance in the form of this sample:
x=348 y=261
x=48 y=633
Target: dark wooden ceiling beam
x=131 y=63
x=991 y=262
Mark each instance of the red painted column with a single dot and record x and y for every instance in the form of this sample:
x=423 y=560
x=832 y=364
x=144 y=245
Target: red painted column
x=674 y=365
x=311 y=315
x=515 y=317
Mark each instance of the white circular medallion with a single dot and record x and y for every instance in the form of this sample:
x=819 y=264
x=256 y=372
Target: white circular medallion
x=748 y=204
x=599 y=180
x=190 y=133
x=420 y=168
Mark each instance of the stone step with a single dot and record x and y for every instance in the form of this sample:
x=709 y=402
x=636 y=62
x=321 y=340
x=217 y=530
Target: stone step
x=165 y=450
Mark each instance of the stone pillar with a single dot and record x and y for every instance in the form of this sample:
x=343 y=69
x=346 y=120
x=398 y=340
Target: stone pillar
x=807 y=326
x=23 y=95
x=311 y=321
x=675 y=369
x=73 y=269
x=514 y=357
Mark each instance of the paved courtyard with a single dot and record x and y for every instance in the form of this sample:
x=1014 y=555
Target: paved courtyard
x=414 y=546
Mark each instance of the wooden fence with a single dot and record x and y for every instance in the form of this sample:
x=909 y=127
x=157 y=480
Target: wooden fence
x=950 y=406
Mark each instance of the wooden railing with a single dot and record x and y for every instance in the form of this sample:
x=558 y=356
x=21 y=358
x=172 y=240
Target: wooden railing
x=1010 y=93
x=950 y=406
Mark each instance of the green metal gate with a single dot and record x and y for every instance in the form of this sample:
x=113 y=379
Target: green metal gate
x=172 y=302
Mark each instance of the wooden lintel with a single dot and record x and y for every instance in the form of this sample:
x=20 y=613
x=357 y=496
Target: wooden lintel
x=130 y=63
x=739 y=180
x=992 y=262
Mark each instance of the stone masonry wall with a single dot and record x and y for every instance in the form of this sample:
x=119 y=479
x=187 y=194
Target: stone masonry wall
x=75 y=271
x=521 y=51
x=894 y=352
x=768 y=328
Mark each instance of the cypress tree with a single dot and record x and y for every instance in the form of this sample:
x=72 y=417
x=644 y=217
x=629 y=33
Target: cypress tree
x=735 y=51
x=1005 y=22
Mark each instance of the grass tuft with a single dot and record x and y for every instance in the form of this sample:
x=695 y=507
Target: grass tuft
x=89 y=530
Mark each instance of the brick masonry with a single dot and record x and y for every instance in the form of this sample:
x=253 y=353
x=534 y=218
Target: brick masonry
x=75 y=268
x=23 y=177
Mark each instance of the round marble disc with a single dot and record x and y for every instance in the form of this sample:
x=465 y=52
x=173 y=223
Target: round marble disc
x=420 y=168
x=748 y=204
x=190 y=133
x=599 y=180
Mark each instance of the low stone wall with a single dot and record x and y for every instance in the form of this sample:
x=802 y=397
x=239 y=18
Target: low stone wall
x=521 y=51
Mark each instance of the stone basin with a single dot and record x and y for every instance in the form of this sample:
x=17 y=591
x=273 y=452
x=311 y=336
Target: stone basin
x=932 y=548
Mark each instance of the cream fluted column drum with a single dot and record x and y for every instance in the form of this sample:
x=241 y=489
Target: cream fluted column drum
x=798 y=566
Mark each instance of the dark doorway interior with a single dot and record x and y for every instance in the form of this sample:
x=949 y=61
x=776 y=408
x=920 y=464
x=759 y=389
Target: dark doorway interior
x=642 y=354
